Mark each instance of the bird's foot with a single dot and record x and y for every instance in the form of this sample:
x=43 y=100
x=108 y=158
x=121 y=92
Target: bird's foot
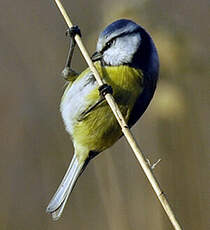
x=104 y=89
x=72 y=31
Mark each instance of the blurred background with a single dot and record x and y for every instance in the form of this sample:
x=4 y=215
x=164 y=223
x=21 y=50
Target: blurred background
x=113 y=193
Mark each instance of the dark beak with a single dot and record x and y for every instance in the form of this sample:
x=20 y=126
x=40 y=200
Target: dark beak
x=96 y=56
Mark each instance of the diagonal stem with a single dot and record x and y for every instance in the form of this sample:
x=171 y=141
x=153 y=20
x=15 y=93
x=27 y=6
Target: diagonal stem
x=127 y=133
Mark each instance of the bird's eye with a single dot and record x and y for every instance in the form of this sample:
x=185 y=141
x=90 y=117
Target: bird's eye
x=109 y=43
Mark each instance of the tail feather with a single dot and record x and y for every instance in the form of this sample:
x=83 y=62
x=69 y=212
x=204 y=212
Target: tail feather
x=58 y=201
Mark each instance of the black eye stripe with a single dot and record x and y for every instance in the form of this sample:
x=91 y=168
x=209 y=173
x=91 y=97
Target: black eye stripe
x=108 y=44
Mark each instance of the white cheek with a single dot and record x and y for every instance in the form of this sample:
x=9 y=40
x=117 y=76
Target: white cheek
x=123 y=50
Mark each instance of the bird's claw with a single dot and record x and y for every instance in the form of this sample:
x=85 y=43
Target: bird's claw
x=72 y=31
x=104 y=89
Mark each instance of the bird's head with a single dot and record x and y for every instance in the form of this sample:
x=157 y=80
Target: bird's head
x=126 y=43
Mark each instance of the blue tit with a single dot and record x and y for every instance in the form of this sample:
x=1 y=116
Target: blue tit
x=127 y=60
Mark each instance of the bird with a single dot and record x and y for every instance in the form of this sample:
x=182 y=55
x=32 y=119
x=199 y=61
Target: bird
x=128 y=63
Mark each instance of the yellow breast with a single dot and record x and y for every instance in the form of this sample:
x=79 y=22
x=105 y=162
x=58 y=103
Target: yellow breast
x=99 y=129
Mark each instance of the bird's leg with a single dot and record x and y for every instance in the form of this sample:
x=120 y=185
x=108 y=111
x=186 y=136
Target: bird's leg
x=67 y=73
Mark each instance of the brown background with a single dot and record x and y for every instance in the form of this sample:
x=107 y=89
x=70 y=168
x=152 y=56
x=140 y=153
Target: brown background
x=35 y=149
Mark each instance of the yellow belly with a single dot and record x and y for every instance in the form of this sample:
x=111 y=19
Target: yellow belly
x=100 y=129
